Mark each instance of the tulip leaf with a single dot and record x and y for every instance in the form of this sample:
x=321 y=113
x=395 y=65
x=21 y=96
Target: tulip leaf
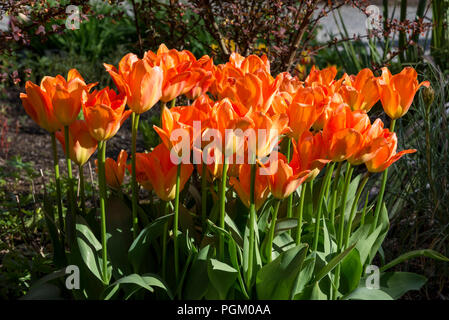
x=89 y=247
x=222 y=277
x=197 y=282
x=351 y=271
x=384 y=223
x=413 y=254
x=138 y=250
x=276 y=280
x=134 y=283
x=364 y=293
x=285 y=224
x=118 y=225
x=396 y=284
x=332 y=263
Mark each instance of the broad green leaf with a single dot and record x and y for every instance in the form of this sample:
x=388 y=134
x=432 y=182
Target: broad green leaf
x=363 y=293
x=305 y=275
x=333 y=263
x=276 y=280
x=396 y=284
x=384 y=223
x=222 y=276
x=138 y=250
x=351 y=272
x=285 y=224
x=118 y=226
x=89 y=247
x=136 y=282
x=311 y=292
x=413 y=254
x=197 y=282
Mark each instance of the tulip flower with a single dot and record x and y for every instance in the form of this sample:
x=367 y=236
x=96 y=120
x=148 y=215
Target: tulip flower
x=309 y=153
x=384 y=148
x=139 y=81
x=242 y=186
x=365 y=152
x=323 y=77
x=397 y=92
x=104 y=113
x=37 y=104
x=115 y=170
x=172 y=120
x=304 y=110
x=67 y=96
x=81 y=143
x=284 y=177
x=173 y=64
x=360 y=92
x=161 y=172
x=342 y=132
x=267 y=132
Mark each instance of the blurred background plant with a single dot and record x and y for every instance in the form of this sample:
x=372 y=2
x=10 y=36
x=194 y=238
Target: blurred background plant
x=35 y=42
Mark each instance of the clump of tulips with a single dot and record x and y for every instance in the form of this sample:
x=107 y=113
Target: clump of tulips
x=251 y=189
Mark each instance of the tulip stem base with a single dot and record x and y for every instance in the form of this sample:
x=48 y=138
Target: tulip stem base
x=176 y=221
x=272 y=229
x=222 y=208
x=103 y=195
x=58 y=186
x=135 y=190
x=71 y=214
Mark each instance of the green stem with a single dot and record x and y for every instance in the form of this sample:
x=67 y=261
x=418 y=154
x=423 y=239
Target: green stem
x=164 y=242
x=334 y=196
x=204 y=196
x=135 y=190
x=380 y=197
x=173 y=103
x=103 y=196
x=58 y=185
x=222 y=208
x=349 y=170
x=354 y=209
x=82 y=189
x=70 y=195
x=290 y=197
x=300 y=213
x=362 y=219
x=175 y=223
x=272 y=227
x=252 y=217
x=326 y=180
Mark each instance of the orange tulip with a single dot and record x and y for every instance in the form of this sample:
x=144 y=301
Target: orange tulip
x=267 y=132
x=161 y=172
x=115 y=170
x=285 y=177
x=309 y=153
x=139 y=81
x=365 y=152
x=242 y=186
x=173 y=64
x=342 y=132
x=305 y=109
x=224 y=116
x=141 y=176
x=250 y=64
x=384 y=149
x=290 y=84
x=174 y=119
x=38 y=106
x=81 y=143
x=104 y=113
x=323 y=77
x=397 y=92
x=67 y=96
x=360 y=92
